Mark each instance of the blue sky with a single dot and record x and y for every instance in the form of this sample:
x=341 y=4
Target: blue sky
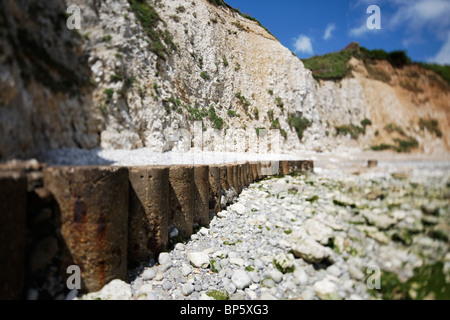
x=311 y=27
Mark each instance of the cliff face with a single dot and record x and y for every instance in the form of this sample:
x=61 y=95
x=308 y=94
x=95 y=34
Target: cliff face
x=220 y=61
x=408 y=104
x=410 y=98
x=141 y=71
x=45 y=96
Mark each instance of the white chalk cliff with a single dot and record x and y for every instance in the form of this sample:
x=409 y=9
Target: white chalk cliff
x=131 y=97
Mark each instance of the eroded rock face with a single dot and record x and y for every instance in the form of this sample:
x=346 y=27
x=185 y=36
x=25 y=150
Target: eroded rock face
x=255 y=63
x=231 y=63
x=46 y=99
x=141 y=100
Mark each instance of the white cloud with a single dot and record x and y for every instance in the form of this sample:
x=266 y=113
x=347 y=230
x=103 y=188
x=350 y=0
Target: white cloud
x=420 y=15
x=434 y=14
x=359 y=31
x=328 y=31
x=443 y=56
x=414 y=40
x=303 y=44
x=414 y=15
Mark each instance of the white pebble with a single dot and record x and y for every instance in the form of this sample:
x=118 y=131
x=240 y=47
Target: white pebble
x=148 y=274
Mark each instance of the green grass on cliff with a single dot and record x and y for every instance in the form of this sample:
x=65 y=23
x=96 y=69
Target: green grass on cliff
x=161 y=42
x=299 y=123
x=331 y=66
x=334 y=66
x=443 y=71
x=353 y=130
x=222 y=3
x=401 y=145
x=217 y=122
x=431 y=125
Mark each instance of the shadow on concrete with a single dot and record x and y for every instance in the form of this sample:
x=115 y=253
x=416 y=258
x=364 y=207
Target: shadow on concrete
x=73 y=157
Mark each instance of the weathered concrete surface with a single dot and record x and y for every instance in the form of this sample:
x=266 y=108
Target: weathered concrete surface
x=201 y=195
x=224 y=182
x=249 y=173
x=214 y=189
x=181 y=202
x=32 y=170
x=284 y=168
x=108 y=216
x=245 y=180
x=269 y=168
x=148 y=214
x=231 y=175
x=40 y=243
x=254 y=169
x=93 y=205
x=258 y=171
x=238 y=178
x=291 y=167
x=302 y=166
x=13 y=198
x=372 y=164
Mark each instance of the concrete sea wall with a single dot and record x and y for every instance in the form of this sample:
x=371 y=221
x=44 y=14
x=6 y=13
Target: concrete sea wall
x=105 y=219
